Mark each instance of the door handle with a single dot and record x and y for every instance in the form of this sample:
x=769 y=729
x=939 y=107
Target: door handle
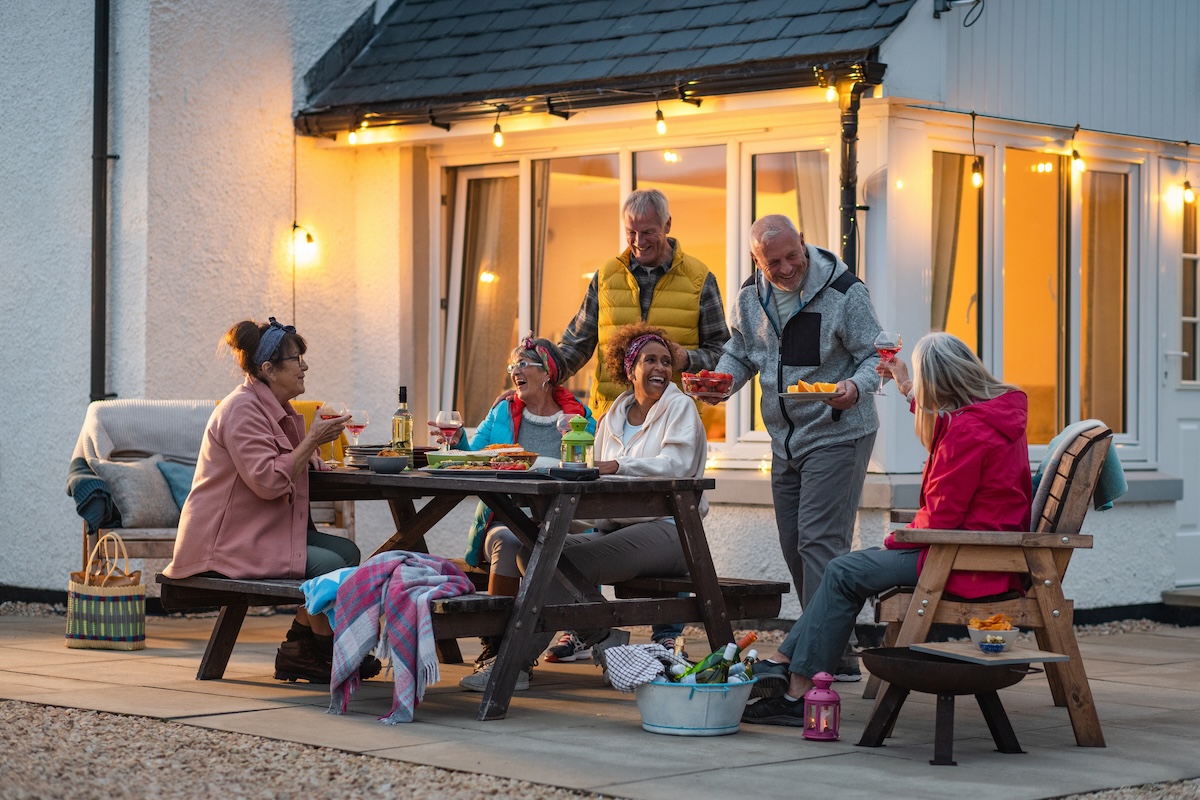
x=1175 y=354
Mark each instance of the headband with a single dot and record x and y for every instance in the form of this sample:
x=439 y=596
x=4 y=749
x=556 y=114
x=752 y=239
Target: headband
x=543 y=354
x=635 y=349
x=270 y=340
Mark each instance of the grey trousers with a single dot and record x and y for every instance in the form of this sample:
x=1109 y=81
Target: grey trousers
x=640 y=550
x=816 y=499
x=816 y=642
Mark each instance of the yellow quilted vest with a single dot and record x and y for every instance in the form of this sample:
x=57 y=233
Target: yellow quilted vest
x=675 y=308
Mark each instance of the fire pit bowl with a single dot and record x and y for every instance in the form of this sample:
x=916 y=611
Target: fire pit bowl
x=924 y=672
x=908 y=670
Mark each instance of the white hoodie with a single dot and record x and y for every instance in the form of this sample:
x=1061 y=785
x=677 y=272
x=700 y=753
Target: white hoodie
x=670 y=444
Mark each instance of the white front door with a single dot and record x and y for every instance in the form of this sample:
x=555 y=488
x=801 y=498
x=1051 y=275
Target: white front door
x=1179 y=370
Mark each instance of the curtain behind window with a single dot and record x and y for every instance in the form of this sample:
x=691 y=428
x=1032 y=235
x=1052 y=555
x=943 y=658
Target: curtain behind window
x=488 y=321
x=948 y=171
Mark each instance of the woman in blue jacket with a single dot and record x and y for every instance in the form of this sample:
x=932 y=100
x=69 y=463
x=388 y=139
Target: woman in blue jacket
x=529 y=417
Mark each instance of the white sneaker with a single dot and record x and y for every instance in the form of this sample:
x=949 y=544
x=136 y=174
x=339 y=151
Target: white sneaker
x=477 y=681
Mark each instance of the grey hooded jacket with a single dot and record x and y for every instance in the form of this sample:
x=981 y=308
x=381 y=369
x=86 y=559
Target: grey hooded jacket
x=830 y=339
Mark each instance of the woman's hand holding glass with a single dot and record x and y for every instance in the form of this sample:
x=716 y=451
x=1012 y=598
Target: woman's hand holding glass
x=453 y=434
x=895 y=369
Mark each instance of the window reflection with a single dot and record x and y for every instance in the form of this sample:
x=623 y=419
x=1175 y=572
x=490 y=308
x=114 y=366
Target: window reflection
x=693 y=179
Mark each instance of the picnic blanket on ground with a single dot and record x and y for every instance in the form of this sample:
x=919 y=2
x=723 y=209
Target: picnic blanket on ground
x=398 y=586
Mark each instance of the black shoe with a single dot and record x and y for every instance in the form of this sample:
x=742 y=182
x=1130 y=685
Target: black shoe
x=772 y=679
x=370 y=667
x=491 y=648
x=296 y=661
x=775 y=711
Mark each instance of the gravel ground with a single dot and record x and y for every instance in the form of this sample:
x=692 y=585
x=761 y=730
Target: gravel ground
x=54 y=752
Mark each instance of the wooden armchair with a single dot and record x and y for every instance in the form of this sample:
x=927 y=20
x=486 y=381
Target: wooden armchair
x=1042 y=555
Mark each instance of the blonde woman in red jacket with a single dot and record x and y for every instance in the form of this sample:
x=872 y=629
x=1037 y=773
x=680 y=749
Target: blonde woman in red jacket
x=247 y=513
x=976 y=478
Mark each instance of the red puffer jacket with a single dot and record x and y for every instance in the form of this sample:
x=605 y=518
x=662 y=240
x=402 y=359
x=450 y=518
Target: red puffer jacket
x=977 y=479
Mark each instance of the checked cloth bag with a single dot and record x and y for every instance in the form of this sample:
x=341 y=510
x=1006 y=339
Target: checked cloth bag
x=106 y=603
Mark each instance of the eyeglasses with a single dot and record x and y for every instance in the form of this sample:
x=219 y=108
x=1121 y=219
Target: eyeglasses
x=299 y=359
x=523 y=365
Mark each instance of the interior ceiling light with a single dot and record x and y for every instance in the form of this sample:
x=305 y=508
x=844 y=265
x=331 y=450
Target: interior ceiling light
x=660 y=124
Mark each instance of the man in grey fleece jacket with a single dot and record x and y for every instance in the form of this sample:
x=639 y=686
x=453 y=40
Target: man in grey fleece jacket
x=804 y=315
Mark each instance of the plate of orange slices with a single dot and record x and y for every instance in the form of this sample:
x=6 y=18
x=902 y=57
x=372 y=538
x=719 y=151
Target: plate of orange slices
x=803 y=390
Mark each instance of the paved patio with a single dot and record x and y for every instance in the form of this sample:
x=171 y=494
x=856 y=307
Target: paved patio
x=570 y=730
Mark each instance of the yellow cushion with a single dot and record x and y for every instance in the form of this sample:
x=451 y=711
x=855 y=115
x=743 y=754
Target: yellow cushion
x=308 y=409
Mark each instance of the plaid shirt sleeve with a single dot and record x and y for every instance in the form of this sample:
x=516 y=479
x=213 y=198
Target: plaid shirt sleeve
x=580 y=338
x=713 y=332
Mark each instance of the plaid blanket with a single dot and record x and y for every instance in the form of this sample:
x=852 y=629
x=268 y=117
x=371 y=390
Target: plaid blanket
x=397 y=586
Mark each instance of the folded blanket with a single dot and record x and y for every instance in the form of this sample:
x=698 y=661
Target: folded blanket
x=320 y=593
x=1110 y=485
x=93 y=498
x=398 y=586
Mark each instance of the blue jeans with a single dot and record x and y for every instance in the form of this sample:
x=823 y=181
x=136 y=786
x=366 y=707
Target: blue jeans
x=816 y=642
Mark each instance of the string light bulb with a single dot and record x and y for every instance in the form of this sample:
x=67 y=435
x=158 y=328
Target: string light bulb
x=1189 y=196
x=1077 y=162
x=497 y=135
x=660 y=124
x=976 y=160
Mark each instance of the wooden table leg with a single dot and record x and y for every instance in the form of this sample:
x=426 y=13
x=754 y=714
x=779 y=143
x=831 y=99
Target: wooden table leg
x=686 y=508
x=522 y=623
x=997 y=721
x=220 y=643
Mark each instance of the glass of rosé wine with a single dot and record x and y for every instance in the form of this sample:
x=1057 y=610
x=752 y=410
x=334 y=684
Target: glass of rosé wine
x=887 y=344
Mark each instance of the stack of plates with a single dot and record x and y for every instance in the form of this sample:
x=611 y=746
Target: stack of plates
x=357 y=454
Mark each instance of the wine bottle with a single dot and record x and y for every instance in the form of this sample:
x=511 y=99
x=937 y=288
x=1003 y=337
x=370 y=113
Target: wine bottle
x=715 y=657
x=402 y=427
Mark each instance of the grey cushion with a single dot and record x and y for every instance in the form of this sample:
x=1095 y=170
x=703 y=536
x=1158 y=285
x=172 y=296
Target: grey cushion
x=140 y=492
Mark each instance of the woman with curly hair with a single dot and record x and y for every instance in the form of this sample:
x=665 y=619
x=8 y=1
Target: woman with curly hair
x=651 y=430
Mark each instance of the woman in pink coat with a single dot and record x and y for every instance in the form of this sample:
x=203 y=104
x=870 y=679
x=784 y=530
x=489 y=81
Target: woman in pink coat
x=247 y=513
x=976 y=478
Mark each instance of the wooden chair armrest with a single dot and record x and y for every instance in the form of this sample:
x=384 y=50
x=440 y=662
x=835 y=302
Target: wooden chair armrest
x=992 y=538
x=903 y=515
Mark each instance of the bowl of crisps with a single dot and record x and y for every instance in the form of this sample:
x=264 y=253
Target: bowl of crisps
x=387 y=462
x=994 y=634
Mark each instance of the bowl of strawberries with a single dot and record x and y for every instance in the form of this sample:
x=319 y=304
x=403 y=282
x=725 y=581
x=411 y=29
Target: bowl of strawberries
x=707 y=385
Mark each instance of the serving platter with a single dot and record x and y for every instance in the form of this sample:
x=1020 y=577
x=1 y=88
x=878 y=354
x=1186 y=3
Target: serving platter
x=483 y=473
x=808 y=395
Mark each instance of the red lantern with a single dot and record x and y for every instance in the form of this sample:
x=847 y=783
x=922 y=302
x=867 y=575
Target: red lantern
x=822 y=710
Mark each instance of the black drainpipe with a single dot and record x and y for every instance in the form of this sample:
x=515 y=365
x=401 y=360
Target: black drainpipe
x=851 y=81
x=100 y=158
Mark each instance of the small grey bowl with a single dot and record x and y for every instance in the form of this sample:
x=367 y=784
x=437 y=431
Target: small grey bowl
x=387 y=465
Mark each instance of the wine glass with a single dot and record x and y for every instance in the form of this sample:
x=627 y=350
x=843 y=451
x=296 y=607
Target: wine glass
x=359 y=419
x=887 y=344
x=448 y=423
x=330 y=410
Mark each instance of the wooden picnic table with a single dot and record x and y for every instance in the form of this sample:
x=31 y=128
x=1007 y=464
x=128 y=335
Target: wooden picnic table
x=539 y=511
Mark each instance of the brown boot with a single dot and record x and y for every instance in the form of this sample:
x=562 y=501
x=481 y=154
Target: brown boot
x=300 y=661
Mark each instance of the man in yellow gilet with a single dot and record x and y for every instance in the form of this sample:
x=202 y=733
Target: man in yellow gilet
x=653 y=280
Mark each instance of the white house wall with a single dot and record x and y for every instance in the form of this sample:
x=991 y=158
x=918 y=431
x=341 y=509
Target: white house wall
x=1109 y=65
x=202 y=94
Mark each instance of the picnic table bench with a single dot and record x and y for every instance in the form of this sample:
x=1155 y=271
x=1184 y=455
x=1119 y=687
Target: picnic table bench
x=539 y=512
